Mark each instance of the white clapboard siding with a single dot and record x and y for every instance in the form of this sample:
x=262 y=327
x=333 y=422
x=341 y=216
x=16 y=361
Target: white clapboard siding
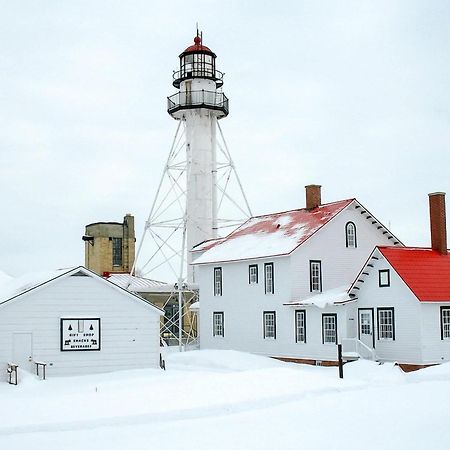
x=340 y=265
x=243 y=304
x=129 y=326
x=434 y=349
x=406 y=348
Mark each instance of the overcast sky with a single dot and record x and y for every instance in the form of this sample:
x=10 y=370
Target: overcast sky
x=352 y=95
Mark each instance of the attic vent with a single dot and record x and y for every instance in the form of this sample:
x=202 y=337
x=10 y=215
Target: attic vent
x=79 y=274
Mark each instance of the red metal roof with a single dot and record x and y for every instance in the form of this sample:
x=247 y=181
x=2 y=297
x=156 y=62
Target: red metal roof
x=425 y=271
x=270 y=235
x=197 y=47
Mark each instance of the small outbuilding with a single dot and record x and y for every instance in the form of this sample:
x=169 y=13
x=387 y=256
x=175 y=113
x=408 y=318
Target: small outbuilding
x=75 y=322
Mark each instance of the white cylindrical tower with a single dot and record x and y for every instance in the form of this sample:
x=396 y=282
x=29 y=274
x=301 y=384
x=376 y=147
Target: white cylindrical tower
x=199 y=103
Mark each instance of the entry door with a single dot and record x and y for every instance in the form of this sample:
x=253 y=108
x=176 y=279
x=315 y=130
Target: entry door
x=365 y=319
x=22 y=351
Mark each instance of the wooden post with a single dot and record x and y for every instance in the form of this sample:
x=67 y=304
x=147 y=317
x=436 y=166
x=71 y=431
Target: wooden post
x=341 y=364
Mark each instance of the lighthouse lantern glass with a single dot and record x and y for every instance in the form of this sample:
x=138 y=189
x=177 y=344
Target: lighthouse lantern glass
x=197 y=65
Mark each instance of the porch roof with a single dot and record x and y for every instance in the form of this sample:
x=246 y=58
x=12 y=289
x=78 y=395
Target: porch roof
x=336 y=296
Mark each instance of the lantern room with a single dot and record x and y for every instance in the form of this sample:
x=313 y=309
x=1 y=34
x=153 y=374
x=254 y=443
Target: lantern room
x=197 y=61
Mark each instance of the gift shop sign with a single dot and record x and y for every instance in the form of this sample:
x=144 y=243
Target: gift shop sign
x=78 y=334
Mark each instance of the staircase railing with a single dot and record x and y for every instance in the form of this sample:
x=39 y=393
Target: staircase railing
x=354 y=345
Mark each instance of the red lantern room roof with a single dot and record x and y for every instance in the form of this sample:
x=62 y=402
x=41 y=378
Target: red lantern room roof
x=197 y=47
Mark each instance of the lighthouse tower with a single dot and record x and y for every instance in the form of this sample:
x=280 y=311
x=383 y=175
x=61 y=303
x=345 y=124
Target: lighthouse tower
x=199 y=103
x=199 y=196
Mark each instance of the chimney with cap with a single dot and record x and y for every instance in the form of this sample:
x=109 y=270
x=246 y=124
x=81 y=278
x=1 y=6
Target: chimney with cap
x=313 y=196
x=438 y=222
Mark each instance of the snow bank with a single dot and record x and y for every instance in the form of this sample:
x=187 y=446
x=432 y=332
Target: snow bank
x=374 y=373
x=224 y=360
x=236 y=397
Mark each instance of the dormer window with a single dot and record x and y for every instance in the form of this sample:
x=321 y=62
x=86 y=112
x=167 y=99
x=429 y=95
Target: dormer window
x=350 y=235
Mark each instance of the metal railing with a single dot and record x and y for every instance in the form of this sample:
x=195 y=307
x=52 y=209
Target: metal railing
x=198 y=99
x=184 y=74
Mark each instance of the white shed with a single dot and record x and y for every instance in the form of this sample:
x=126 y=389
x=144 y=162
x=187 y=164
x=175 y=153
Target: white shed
x=75 y=322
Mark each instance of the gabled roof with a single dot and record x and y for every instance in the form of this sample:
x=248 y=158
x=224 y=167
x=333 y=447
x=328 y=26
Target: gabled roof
x=271 y=235
x=277 y=234
x=425 y=271
x=17 y=287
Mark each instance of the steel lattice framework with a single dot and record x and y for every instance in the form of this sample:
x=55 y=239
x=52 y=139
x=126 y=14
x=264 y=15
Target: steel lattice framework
x=162 y=252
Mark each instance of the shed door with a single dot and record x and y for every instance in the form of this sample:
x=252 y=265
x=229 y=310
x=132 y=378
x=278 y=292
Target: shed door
x=365 y=319
x=22 y=351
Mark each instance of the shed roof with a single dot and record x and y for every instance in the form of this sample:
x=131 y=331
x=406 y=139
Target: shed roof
x=425 y=271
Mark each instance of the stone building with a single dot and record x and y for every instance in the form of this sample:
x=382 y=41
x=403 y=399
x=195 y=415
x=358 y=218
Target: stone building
x=110 y=252
x=110 y=246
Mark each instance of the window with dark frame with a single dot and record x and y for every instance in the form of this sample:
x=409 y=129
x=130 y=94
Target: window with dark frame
x=300 y=326
x=269 y=325
x=218 y=324
x=384 y=278
x=268 y=278
x=253 y=274
x=315 y=276
x=350 y=235
x=329 y=328
x=116 y=251
x=386 y=324
x=445 y=322
x=217 y=281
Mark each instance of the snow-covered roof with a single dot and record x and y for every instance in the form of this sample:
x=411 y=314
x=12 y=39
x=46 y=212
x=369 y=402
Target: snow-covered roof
x=138 y=284
x=270 y=235
x=17 y=286
x=336 y=296
x=195 y=306
x=206 y=245
x=13 y=287
x=4 y=277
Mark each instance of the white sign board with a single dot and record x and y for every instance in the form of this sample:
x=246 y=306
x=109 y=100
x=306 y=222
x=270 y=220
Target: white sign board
x=79 y=334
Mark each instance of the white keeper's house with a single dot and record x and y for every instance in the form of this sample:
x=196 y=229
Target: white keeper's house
x=403 y=299
x=75 y=322
x=278 y=285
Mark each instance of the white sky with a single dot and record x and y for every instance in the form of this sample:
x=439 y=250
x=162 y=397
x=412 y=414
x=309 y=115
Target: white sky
x=353 y=95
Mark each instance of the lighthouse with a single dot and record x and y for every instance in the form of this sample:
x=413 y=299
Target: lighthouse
x=199 y=197
x=199 y=103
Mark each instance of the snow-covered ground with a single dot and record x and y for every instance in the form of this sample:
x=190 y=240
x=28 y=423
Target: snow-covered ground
x=230 y=400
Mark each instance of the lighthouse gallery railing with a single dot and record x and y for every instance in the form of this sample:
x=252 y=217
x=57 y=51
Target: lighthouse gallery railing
x=194 y=99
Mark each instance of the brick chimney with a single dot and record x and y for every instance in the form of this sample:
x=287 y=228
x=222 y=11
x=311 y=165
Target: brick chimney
x=438 y=222
x=313 y=196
